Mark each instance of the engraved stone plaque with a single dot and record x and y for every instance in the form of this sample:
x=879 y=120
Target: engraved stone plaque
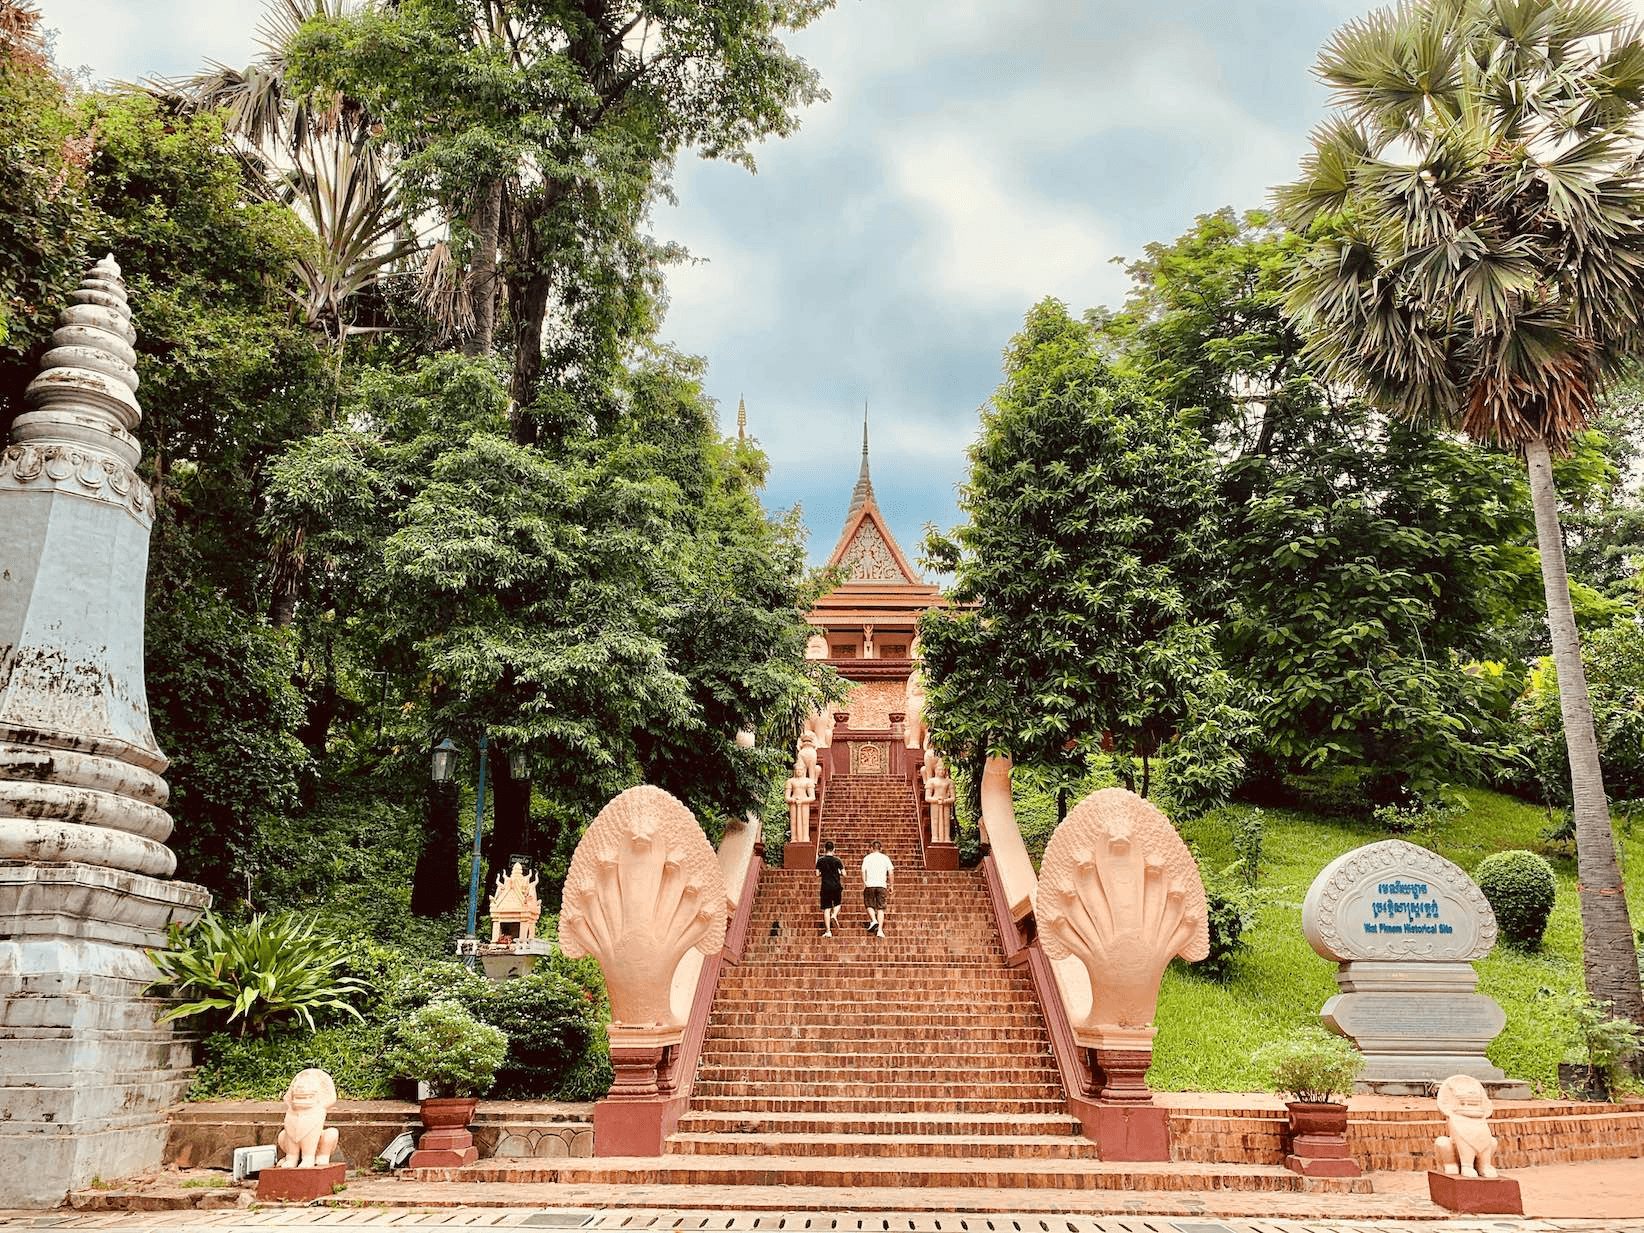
x=1393 y=900
x=1402 y=924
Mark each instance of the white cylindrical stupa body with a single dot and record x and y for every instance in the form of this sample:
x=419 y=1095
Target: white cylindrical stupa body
x=79 y=766
x=86 y=1074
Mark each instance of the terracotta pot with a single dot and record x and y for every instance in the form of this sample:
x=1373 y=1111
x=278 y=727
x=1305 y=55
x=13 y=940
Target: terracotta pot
x=1307 y=1118
x=448 y=1112
x=1318 y=1141
x=1582 y=1081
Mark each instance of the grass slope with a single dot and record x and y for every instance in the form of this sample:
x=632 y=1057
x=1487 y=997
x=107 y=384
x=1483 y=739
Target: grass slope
x=1208 y=1031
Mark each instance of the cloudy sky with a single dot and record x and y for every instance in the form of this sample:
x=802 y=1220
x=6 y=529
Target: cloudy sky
x=976 y=155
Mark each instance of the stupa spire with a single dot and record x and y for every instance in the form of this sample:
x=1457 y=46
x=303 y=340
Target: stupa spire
x=86 y=392
x=741 y=418
x=863 y=492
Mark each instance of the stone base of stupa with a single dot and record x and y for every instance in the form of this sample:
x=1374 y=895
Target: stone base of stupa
x=86 y=1075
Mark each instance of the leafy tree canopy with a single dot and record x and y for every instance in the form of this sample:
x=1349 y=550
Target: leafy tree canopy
x=1084 y=572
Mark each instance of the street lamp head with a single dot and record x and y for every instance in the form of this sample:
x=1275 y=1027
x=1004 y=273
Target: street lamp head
x=444 y=755
x=519 y=764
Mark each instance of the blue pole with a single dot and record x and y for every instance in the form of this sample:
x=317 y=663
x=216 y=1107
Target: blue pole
x=473 y=874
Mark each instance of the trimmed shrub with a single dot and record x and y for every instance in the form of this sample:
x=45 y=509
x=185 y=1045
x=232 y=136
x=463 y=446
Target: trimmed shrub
x=1520 y=888
x=551 y=1019
x=550 y=1024
x=1311 y=1066
x=447 y=1048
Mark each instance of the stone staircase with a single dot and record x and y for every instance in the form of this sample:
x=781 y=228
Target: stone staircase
x=880 y=1065
x=919 y=1046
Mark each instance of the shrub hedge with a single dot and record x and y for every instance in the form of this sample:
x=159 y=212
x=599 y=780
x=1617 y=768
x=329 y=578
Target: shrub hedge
x=1521 y=888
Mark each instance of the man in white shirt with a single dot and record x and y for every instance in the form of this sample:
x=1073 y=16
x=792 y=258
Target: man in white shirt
x=876 y=876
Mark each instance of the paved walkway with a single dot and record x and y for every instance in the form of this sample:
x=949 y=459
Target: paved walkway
x=671 y=1221
x=1574 y=1198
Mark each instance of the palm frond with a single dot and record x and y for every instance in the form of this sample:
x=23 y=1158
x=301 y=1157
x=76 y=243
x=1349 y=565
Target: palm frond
x=1486 y=268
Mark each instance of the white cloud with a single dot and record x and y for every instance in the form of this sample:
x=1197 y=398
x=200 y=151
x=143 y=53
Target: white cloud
x=126 y=41
x=996 y=240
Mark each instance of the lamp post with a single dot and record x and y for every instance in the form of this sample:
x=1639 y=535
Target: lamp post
x=444 y=754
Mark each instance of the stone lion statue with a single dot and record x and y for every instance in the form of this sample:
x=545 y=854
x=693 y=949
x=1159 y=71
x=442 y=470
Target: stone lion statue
x=305 y=1140
x=1469 y=1149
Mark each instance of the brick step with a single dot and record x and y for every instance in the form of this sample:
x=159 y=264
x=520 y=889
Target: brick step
x=853 y=963
x=819 y=996
x=886 y=965
x=858 y=1056
x=807 y=1011
x=844 y=1106
x=788 y=1049
x=902 y=1093
x=900 y=1147
x=868 y=1069
x=902 y=942
x=898 y=947
x=873 y=986
x=700 y=1121
x=877 y=1036
x=910 y=1020
x=857 y=1172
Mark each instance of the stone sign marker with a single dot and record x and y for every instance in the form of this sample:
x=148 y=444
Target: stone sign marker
x=1404 y=925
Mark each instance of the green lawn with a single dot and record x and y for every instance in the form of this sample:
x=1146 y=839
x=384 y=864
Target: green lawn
x=1208 y=1031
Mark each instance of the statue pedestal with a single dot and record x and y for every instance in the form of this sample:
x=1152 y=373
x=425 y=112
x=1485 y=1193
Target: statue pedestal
x=300 y=1185
x=1125 y=1131
x=1475 y=1196
x=941 y=856
x=444 y=1147
x=799 y=855
x=87 y=1074
x=506 y=960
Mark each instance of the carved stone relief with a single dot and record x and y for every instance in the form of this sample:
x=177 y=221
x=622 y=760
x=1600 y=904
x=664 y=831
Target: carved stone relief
x=871 y=704
x=1119 y=891
x=644 y=887
x=869 y=758
x=869 y=559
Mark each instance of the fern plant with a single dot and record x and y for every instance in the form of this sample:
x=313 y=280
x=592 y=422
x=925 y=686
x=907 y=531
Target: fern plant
x=252 y=976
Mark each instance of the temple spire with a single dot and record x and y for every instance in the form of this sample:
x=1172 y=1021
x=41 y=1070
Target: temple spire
x=864 y=485
x=741 y=418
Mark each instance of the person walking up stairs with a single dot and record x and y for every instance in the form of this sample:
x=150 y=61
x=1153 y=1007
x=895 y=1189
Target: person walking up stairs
x=876 y=878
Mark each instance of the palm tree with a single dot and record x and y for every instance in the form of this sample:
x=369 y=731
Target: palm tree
x=320 y=156
x=1475 y=217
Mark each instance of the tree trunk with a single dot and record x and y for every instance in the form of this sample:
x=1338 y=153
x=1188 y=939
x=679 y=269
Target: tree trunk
x=482 y=274
x=441 y=874
x=510 y=820
x=529 y=304
x=1609 y=956
x=285 y=579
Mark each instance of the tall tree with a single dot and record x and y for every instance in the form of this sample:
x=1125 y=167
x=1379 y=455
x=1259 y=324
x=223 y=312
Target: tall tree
x=619 y=606
x=1083 y=574
x=43 y=218
x=1475 y=214
x=1370 y=561
x=228 y=379
x=580 y=110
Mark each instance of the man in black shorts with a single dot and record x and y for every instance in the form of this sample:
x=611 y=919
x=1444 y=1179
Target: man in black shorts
x=832 y=870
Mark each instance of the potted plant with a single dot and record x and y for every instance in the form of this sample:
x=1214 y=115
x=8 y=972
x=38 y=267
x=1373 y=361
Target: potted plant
x=1315 y=1071
x=1594 y=1069
x=454 y=1053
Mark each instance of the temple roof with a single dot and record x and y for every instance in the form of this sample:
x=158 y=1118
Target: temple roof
x=863 y=492
x=881 y=586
